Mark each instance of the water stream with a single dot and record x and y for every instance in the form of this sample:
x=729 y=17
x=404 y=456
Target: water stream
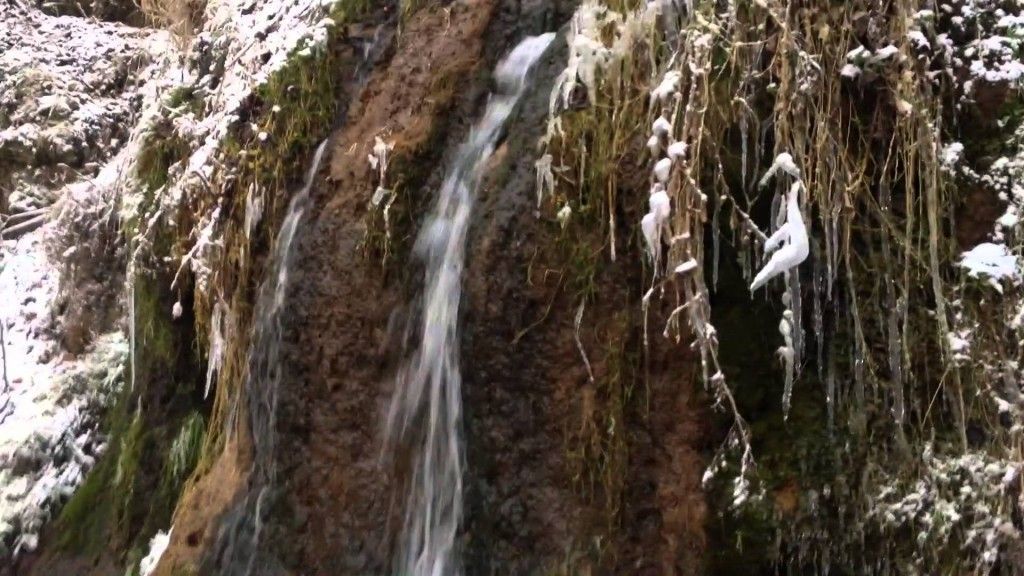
x=425 y=416
x=240 y=539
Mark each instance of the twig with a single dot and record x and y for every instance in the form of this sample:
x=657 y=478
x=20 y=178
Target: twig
x=23 y=228
x=579 y=344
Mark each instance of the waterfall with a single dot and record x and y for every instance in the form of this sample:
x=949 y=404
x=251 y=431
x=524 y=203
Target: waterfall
x=240 y=538
x=425 y=417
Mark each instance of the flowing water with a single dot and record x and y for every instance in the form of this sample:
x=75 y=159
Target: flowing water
x=240 y=539
x=425 y=417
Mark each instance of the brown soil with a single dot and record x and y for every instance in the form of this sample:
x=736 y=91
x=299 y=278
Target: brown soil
x=526 y=390
x=196 y=520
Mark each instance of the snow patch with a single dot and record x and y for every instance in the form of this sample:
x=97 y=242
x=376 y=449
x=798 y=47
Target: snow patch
x=992 y=261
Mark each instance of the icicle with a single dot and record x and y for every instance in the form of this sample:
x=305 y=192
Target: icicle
x=819 y=314
x=661 y=127
x=787 y=353
x=660 y=206
x=215 y=358
x=668 y=87
x=830 y=391
x=563 y=216
x=662 y=170
x=715 y=240
x=796 y=306
x=744 y=135
x=131 y=321
x=650 y=228
x=794 y=252
x=783 y=162
x=895 y=353
x=688 y=266
x=545 y=177
x=677 y=150
x=654 y=145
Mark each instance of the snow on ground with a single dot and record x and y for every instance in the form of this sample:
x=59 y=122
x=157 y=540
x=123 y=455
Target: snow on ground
x=48 y=438
x=70 y=89
x=256 y=38
x=67 y=86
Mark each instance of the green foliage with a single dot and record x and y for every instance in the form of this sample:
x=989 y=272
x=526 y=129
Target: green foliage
x=410 y=7
x=184 y=453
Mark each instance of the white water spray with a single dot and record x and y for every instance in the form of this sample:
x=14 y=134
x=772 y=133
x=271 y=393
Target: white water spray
x=425 y=417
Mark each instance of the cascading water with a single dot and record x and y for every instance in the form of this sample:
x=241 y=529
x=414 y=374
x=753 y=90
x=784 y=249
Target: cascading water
x=425 y=417
x=240 y=540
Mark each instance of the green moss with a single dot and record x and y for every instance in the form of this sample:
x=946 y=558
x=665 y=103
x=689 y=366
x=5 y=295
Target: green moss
x=265 y=159
x=157 y=427
x=184 y=453
x=158 y=153
x=153 y=431
x=185 y=99
x=100 y=506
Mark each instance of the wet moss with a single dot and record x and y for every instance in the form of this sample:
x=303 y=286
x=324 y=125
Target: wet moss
x=157 y=154
x=131 y=494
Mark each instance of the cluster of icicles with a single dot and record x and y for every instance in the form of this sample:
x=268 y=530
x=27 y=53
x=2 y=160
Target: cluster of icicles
x=595 y=61
x=789 y=245
x=655 y=223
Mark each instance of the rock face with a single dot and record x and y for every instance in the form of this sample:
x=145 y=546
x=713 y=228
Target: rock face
x=143 y=183
x=527 y=391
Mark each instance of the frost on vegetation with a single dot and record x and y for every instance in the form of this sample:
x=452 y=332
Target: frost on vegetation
x=783 y=163
x=217 y=341
x=383 y=197
x=198 y=108
x=49 y=432
x=157 y=547
x=806 y=76
x=979 y=39
x=951 y=155
x=668 y=88
x=957 y=498
x=379 y=160
x=592 y=58
x=788 y=245
x=563 y=216
x=545 y=178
